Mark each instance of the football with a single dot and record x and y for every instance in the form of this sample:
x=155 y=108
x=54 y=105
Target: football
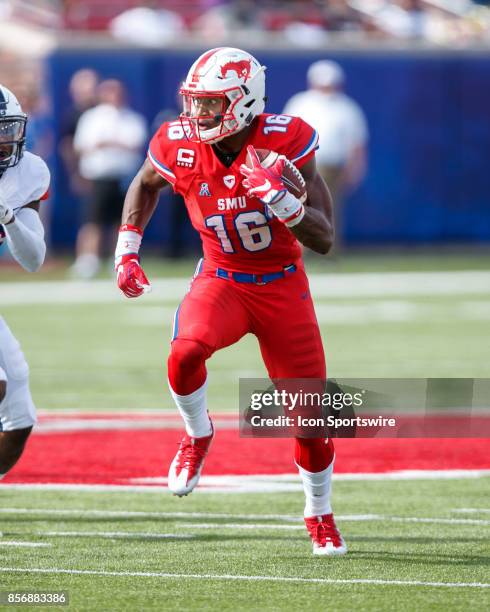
x=291 y=176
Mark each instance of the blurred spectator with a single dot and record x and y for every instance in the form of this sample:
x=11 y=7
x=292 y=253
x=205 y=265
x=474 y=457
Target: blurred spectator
x=342 y=129
x=5 y=9
x=83 y=86
x=147 y=25
x=109 y=139
x=225 y=18
x=436 y=21
x=404 y=19
x=303 y=22
x=341 y=17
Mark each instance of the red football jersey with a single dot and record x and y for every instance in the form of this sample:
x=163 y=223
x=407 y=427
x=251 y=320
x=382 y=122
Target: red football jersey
x=236 y=232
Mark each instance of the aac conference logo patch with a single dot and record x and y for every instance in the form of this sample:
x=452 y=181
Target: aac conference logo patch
x=204 y=190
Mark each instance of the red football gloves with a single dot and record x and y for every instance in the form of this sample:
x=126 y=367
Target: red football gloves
x=263 y=183
x=131 y=279
x=266 y=184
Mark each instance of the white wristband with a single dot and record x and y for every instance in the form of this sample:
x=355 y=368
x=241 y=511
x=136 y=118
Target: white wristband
x=128 y=242
x=296 y=219
x=286 y=207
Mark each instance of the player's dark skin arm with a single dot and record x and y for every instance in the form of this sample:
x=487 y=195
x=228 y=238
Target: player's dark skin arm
x=11 y=446
x=34 y=205
x=142 y=196
x=315 y=230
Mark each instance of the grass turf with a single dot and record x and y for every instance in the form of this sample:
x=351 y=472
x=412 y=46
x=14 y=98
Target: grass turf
x=378 y=550
x=111 y=356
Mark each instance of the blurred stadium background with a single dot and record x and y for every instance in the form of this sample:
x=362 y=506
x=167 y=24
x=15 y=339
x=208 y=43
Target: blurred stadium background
x=409 y=296
x=417 y=69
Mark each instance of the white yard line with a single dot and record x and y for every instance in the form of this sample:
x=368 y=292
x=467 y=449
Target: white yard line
x=256 y=481
x=139 y=514
x=333 y=285
x=340 y=518
x=472 y=510
x=117 y=514
x=442 y=521
x=115 y=535
x=415 y=475
x=364 y=581
x=243 y=526
x=25 y=544
x=65 y=421
x=62 y=425
x=104 y=413
x=261 y=483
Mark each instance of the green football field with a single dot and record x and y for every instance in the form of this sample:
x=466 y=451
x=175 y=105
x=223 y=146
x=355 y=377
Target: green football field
x=413 y=545
x=114 y=551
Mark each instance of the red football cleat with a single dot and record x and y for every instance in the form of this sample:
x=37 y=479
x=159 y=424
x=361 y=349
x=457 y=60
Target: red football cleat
x=186 y=467
x=325 y=536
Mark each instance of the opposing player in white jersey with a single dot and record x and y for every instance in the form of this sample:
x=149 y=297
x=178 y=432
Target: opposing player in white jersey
x=24 y=182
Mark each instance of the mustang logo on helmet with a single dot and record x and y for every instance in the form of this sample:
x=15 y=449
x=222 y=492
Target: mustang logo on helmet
x=242 y=69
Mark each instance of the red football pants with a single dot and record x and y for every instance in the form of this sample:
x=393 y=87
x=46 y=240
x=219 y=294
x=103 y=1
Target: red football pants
x=217 y=312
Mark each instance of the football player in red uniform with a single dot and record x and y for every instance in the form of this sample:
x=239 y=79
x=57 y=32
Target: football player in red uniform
x=251 y=278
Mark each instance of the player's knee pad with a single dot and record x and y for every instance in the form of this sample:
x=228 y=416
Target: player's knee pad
x=313 y=454
x=186 y=369
x=187 y=355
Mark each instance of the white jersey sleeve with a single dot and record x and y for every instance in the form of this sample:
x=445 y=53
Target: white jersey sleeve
x=26 y=182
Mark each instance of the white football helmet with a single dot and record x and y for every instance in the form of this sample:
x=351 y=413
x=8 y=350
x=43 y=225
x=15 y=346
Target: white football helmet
x=234 y=81
x=12 y=130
